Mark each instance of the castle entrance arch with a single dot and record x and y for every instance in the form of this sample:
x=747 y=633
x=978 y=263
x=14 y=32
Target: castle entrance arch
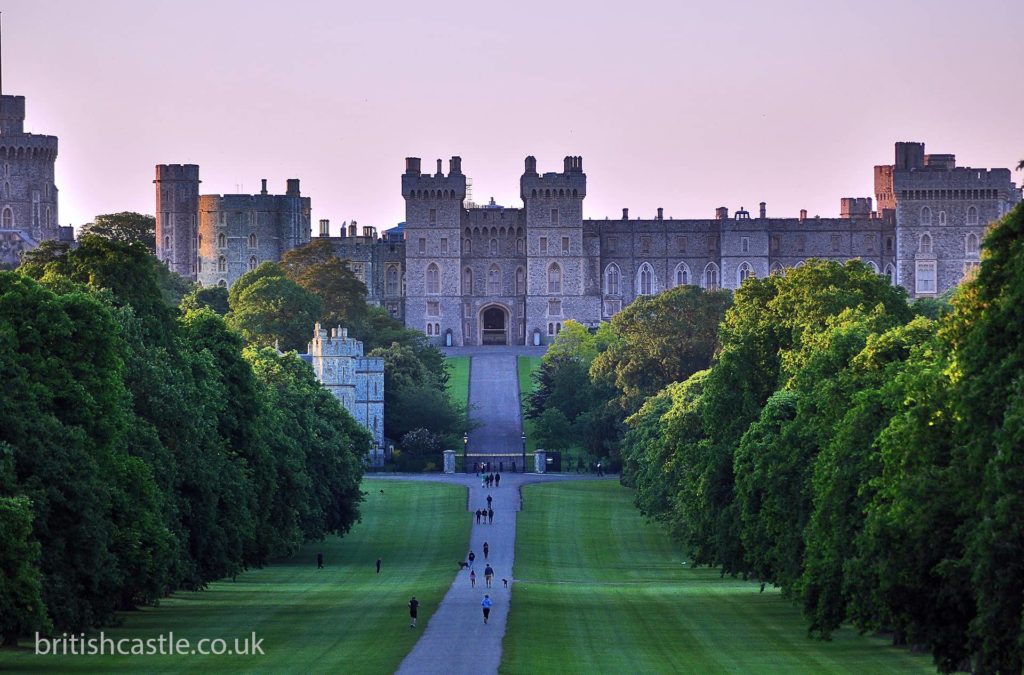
x=494 y=320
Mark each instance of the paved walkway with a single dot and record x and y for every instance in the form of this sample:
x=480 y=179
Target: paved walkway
x=455 y=640
x=494 y=405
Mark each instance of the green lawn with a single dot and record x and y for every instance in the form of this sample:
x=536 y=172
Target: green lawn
x=458 y=378
x=526 y=366
x=344 y=618
x=602 y=591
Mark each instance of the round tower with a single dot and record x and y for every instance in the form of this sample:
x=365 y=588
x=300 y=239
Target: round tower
x=28 y=196
x=177 y=214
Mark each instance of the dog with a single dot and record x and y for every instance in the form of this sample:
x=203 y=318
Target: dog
x=505 y=581
x=463 y=565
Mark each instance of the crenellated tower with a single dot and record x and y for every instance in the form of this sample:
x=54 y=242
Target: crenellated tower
x=433 y=219
x=177 y=212
x=28 y=196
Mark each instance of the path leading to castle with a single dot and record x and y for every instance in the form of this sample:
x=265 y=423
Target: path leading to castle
x=456 y=640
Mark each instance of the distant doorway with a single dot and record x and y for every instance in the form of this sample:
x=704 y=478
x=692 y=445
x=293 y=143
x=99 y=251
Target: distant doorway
x=494 y=326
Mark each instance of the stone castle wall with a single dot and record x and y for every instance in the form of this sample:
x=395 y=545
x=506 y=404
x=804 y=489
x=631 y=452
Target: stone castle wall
x=28 y=194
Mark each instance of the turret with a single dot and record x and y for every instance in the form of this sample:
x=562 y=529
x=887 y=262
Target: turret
x=177 y=213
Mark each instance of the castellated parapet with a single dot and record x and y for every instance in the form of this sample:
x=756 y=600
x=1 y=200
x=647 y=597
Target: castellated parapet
x=357 y=381
x=28 y=195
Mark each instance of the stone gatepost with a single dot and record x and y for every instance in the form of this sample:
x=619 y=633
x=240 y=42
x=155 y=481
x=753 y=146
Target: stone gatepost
x=540 y=461
x=449 y=461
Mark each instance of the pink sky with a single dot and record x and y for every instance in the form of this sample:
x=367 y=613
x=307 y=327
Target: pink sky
x=682 y=105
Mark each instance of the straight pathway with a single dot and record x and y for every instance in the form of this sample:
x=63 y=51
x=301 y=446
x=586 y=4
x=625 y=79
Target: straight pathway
x=456 y=641
x=494 y=404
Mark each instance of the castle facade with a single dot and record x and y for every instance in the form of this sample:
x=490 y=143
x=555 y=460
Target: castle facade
x=474 y=275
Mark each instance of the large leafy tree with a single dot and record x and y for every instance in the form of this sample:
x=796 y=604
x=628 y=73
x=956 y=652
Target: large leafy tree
x=316 y=268
x=126 y=227
x=269 y=309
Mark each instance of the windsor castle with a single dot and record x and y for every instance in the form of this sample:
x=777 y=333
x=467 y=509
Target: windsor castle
x=471 y=275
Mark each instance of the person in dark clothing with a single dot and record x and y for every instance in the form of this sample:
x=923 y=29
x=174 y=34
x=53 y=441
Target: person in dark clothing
x=488 y=575
x=497 y=480
x=478 y=516
x=378 y=565
x=319 y=561
x=487 y=549
x=488 y=501
x=471 y=558
x=490 y=515
x=414 y=605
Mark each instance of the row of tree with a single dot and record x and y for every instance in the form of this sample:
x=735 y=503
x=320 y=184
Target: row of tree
x=862 y=453
x=145 y=449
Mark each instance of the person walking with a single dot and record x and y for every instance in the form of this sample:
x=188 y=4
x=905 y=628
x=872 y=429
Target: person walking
x=497 y=480
x=414 y=605
x=487 y=549
x=471 y=558
x=488 y=576
x=489 y=501
x=472 y=579
x=486 y=605
x=478 y=516
x=490 y=516
x=378 y=565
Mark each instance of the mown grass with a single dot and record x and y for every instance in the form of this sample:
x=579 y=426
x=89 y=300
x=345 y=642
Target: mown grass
x=343 y=618
x=599 y=590
x=458 y=378
x=526 y=365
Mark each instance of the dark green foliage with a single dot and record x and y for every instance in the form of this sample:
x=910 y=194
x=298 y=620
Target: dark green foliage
x=271 y=310
x=316 y=269
x=126 y=227
x=213 y=297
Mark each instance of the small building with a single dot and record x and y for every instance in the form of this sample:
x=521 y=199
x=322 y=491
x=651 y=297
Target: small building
x=357 y=381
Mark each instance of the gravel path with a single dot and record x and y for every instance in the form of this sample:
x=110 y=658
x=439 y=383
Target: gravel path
x=456 y=641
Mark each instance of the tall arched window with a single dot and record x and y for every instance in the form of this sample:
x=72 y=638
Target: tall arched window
x=8 y=218
x=682 y=275
x=167 y=242
x=711 y=278
x=744 y=272
x=971 y=244
x=433 y=279
x=942 y=217
x=554 y=278
x=199 y=265
x=467 y=281
x=7 y=190
x=611 y=279
x=253 y=263
x=972 y=215
x=520 y=281
x=926 y=216
x=645 y=281
x=926 y=243
x=467 y=245
x=223 y=283
x=222 y=240
x=222 y=264
x=252 y=240
x=494 y=281
x=873 y=266
x=494 y=247
x=778 y=270
x=890 y=273
x=392 y=280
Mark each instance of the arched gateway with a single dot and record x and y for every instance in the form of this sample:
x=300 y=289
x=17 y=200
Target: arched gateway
x=494 y=321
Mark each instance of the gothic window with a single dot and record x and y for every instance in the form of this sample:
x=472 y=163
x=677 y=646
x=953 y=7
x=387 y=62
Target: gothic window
x=494 y=246
x=223 y=283
x=971 y=244
x=253 y=263
x=744 y=244
x=252 y=241
x=520 y=281
x=467 y=281
x=611 y=279
x=433 y=279
x=926 y=216
x=554 y=278
x=682 y=274
x=972 y=216
x=437 y=329
x=925 y=277
x=926 y=243
x=519 y=245
x=392 y=280
x=222 y=264
x=494 y=280
x=222 y=240
x=8 y=217
x=873 y=266
x=543 y=244
x=890 y=273
x=942 y=217
x=430 y=328
x=744 y=272
x=7 y=190
x=777 y=270
x=167 y=242
x=646 y=282
x=467 y=246
x=711 y=279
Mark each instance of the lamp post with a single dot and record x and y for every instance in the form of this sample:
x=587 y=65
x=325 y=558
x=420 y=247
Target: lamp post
x=465 y=447
x=523 y=439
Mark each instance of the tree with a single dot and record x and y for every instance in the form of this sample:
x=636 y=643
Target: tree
x=420 y=447
x=212 y=297
x=269 y=309
x=662 y=339
x=21 y=602
x=126 y=227
x=316 y=268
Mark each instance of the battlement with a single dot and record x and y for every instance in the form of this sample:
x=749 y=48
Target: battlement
x=417 y=185
x=188 y=172
x=28 y=146
x=335 y=342
x=855 y=207
x=572 y=182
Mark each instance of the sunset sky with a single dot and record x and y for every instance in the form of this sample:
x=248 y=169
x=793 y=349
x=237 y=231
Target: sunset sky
x=682 y=105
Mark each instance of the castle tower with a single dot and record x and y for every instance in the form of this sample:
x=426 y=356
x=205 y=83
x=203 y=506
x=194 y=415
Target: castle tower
x=28 y=196
x=177 y=213
x=559 y=271
x=433 y=219
x=357 y=381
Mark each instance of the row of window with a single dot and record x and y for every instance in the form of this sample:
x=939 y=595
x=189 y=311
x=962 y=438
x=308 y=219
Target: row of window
x=222 y=264
x=950 y=194
x=971 y=243
x=7 y=219
x=926 y=216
